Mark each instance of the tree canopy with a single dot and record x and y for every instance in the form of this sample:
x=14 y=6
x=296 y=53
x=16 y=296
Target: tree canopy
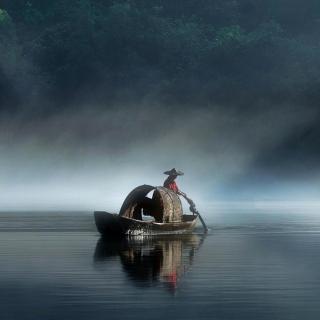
x=179 y=51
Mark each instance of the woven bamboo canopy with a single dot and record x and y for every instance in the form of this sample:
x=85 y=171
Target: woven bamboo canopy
x=164 y=206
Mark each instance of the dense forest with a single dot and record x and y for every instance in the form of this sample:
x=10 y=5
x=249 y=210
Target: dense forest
x=184 y=52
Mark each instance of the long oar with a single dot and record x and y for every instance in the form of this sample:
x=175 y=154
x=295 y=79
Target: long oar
x=195 y=211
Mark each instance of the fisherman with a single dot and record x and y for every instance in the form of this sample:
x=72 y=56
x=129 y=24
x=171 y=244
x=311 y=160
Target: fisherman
x=170 y=181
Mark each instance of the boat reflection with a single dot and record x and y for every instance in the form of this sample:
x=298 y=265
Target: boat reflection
x=151 y=260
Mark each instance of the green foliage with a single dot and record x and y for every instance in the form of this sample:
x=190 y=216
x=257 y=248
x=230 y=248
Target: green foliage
x=4 y=17
x=266 y=32
x=32 y=16
x=177 y=49
x=232 y=35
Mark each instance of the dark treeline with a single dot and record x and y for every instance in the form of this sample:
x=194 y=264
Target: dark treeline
x=60 y=53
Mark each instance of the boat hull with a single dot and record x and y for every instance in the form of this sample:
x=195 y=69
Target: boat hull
x=109 y=224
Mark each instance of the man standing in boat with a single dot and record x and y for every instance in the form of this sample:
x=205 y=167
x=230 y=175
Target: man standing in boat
x=170 y=181
x=171 y=184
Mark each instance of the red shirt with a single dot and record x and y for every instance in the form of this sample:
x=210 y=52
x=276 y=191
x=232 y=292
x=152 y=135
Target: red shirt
x=172 y=186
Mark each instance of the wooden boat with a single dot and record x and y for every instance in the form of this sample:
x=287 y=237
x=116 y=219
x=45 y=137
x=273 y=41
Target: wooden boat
x=164 y=208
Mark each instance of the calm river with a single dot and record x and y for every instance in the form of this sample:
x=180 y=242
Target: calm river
x=253 y=264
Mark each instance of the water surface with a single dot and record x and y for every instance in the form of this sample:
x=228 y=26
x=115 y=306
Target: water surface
x=252 y=265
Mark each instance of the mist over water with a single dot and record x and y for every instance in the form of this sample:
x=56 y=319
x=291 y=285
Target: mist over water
x=91 y=157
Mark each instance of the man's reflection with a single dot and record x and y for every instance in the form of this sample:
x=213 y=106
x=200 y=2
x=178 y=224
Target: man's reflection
x=153 y=260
